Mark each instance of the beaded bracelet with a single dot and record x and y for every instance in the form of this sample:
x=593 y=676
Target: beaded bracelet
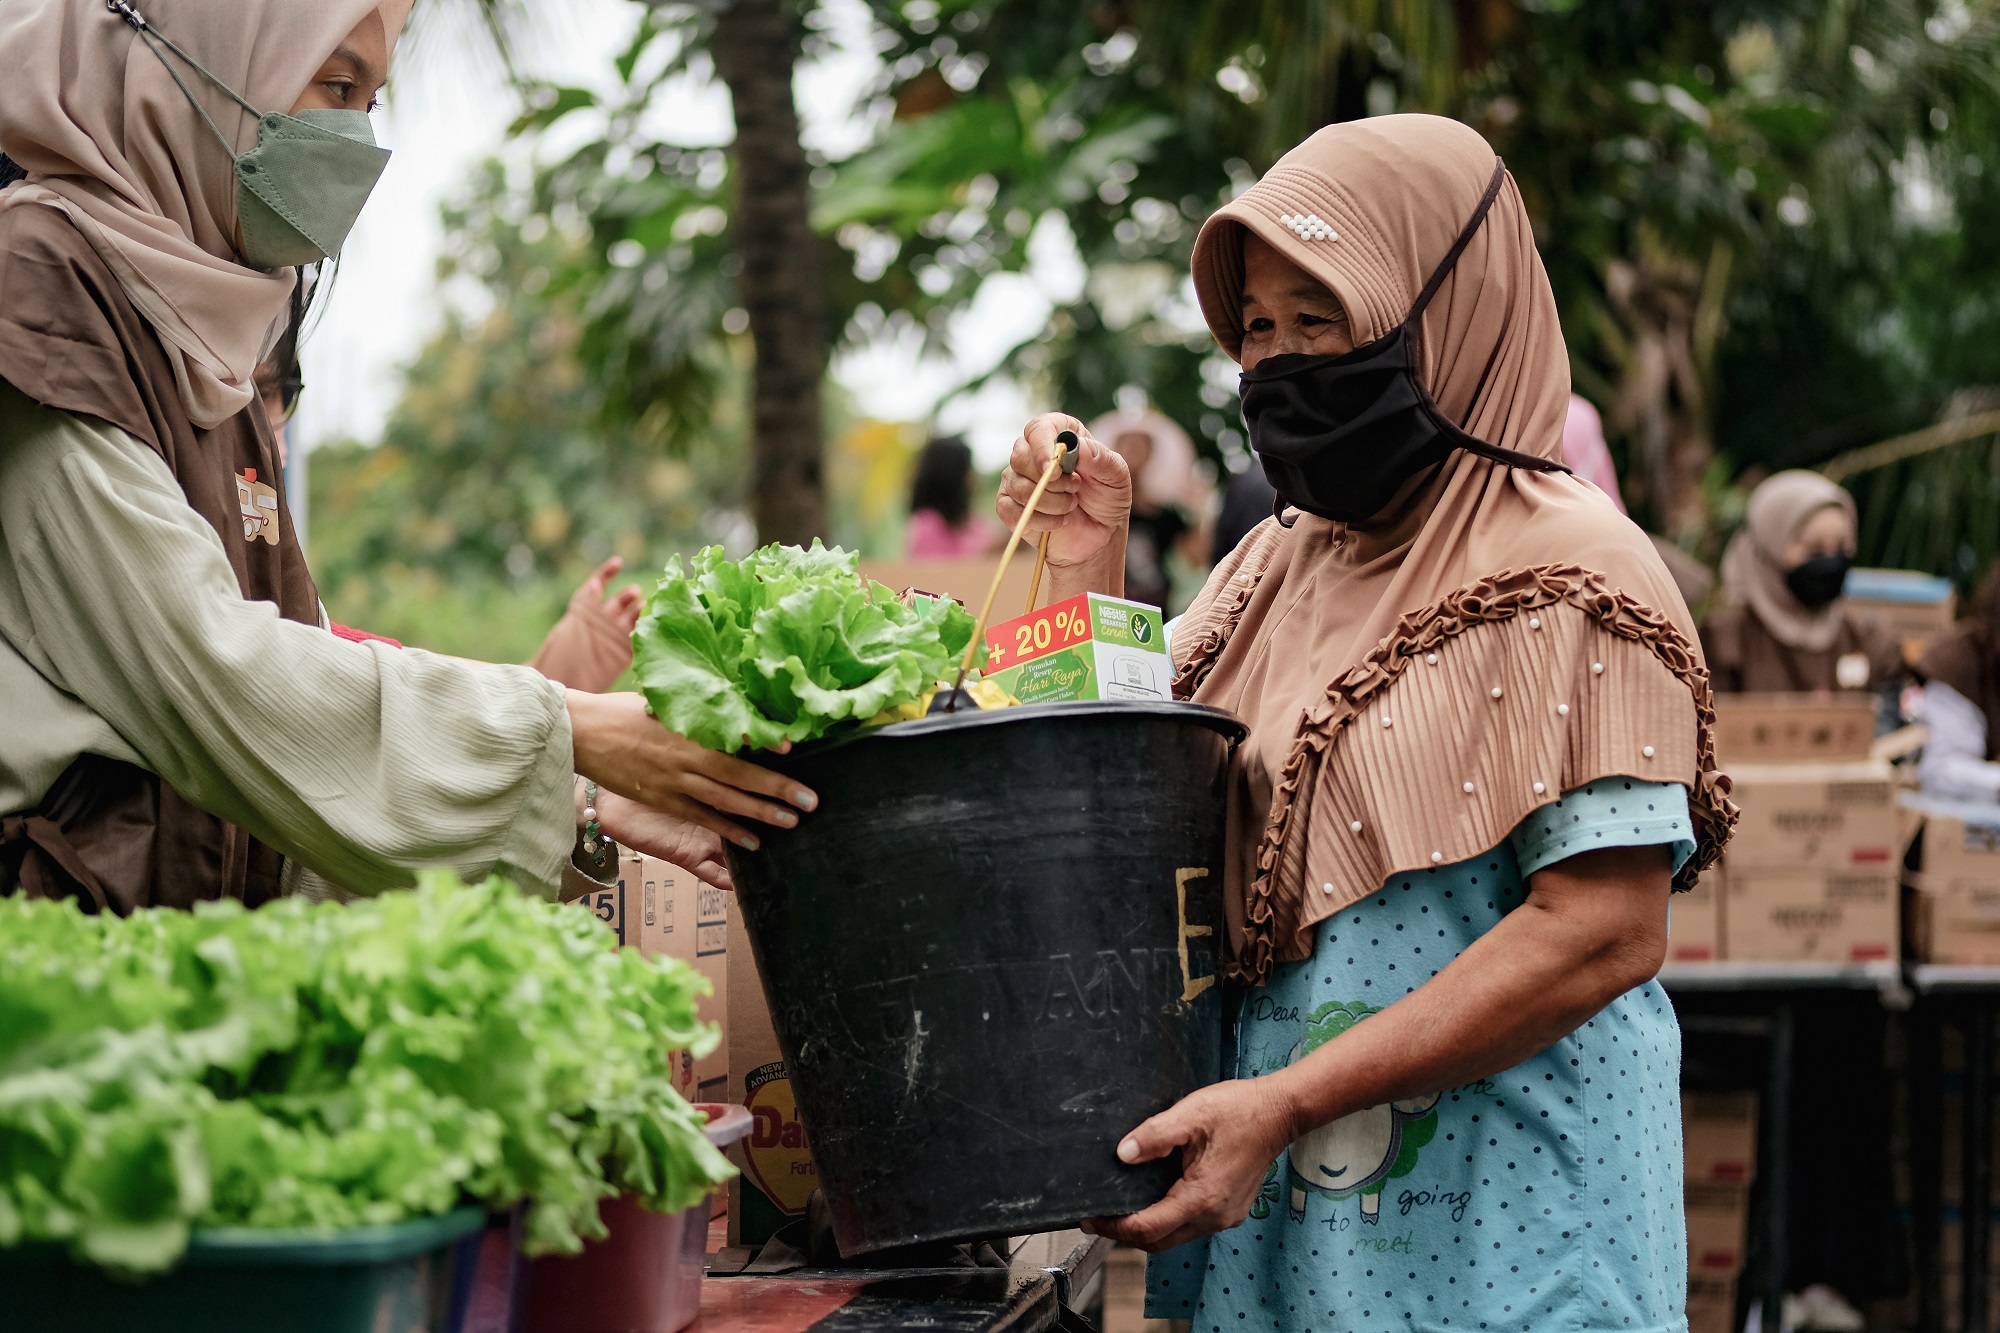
x=592 y=829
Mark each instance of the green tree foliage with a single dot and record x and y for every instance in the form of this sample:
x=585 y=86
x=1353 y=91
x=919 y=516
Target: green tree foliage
x=1762 y=220
x=1756 y=217
x=514 y=462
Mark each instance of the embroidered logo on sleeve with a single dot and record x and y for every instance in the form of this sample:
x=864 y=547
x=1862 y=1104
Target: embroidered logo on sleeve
x=259 y=506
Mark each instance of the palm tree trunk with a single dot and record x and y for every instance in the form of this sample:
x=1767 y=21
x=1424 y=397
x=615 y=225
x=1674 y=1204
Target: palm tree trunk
x=756 y=46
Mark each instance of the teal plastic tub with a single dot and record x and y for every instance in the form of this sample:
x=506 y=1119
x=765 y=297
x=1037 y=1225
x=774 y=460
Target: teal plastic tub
x=387 y=1279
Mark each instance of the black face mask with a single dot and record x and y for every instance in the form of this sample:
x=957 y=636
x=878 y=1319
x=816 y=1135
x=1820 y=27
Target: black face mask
x=1340 y=435
x=1817 y=581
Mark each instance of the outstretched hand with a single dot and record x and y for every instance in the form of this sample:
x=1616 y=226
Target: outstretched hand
x=1228 y=1135
x=591 y=645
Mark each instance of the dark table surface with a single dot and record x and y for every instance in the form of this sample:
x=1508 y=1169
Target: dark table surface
x=1047 y=1272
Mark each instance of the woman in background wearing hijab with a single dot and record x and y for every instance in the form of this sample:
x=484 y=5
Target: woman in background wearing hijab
x=1480 y=754
x=1783 y=625
x=1161 y=459
x=1961 y=674
x=180 y=724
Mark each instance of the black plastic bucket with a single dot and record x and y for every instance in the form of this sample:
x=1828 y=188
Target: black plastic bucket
x=989 y=955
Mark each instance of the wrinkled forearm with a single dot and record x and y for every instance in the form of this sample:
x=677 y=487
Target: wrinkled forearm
x=1102 y=573
x=1536 y=977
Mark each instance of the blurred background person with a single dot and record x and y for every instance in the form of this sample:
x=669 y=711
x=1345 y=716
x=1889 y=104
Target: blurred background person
x=1589 y=457
x=1246 y=501
x=1962 y=703
x=941 y=519
x=1586 y=452
x=1783 y=625
x=1168 y=496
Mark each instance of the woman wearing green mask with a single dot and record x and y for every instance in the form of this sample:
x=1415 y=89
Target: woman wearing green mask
x=179 y=724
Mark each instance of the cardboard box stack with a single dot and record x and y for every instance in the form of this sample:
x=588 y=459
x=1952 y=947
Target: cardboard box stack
x=1719 y=1136
x=1694 y=921
x=1814 y=868
x=1955 y=899
x=776 y=1162
x=1812 y=873
x=664 y=911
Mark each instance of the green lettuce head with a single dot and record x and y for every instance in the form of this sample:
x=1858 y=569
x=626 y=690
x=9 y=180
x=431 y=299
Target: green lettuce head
x=785 y=645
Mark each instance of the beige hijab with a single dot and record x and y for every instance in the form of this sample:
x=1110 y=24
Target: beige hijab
x=1753 y=567
x=107 y=137
x=1416 y=686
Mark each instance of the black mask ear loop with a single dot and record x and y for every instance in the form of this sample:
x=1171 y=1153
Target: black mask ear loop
x=1414 y=323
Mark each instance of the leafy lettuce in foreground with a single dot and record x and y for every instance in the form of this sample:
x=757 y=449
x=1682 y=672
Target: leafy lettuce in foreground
x=785 y=644
x=308 y=1065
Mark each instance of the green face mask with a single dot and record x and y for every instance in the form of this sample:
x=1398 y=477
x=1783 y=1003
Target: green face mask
x=300 y=189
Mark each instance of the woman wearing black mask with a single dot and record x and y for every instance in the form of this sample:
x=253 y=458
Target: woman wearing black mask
x=1479 y=758
x=1783 y=625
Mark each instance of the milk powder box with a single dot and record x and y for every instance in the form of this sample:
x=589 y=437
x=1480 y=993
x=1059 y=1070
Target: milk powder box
x=1088 y=647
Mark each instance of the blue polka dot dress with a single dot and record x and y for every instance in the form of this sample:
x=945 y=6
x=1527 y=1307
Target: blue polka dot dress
x=1547 y=1196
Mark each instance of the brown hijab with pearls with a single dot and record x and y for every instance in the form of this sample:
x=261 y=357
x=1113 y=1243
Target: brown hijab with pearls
x=1417 y=685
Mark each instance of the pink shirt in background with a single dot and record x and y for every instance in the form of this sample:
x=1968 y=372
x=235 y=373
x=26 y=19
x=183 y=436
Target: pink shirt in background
x=1585 y=451
x=928 y=535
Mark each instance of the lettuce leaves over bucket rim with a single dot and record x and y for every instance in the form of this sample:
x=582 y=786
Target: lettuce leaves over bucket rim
x=785 y=645
x=334 y=1065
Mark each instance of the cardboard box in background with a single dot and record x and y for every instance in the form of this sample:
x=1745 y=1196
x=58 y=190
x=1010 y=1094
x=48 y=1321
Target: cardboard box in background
x=1694 y=921
x=1816 y=816
x=607 y=903
x=1719 y=1137
x=1960 y=855
x=778 y=1174
x=1787 y=728
x=1957 y=924
x=963 y=577
x=1711 y=1303
x=1087 y=647
x=1916 y=608
x=678 y=916
x=1825 y=916
x=1954 y=901
x=1718 y=1218
x=664 y=911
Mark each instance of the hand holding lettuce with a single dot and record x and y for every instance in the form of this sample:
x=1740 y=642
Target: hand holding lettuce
x=786 y=645
x=324 y=1065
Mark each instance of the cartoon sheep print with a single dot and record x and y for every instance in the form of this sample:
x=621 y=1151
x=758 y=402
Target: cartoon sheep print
x=1358 y=1153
